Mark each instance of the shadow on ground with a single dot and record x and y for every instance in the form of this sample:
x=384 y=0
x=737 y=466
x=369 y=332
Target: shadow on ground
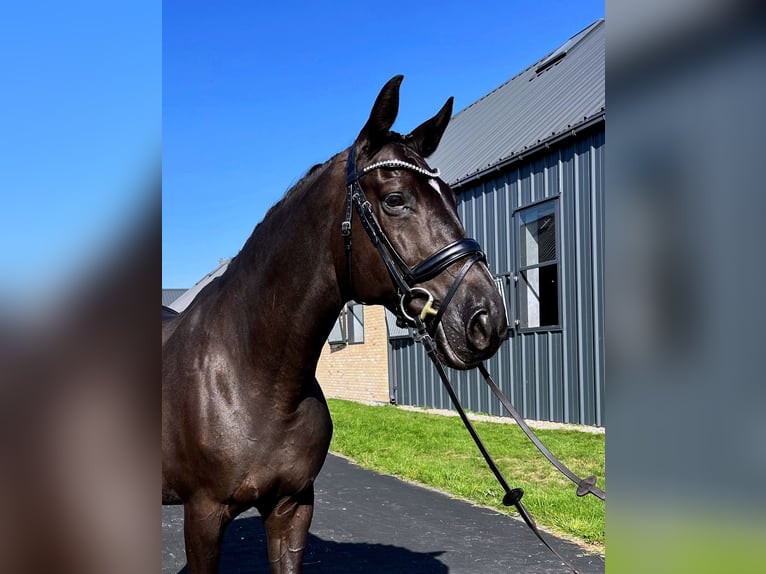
x=244 y=552
x=370 y=523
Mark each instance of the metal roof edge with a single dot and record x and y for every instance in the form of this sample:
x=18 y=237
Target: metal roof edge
x=574 y=41
x=542 y=145
x=585 y=32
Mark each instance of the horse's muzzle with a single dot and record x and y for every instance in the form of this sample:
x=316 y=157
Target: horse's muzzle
x=474 y=329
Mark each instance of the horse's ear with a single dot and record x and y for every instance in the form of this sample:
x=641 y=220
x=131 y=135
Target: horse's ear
x=382 y=116
x=426 y=137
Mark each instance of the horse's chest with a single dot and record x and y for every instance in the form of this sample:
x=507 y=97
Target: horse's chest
x=287 y=453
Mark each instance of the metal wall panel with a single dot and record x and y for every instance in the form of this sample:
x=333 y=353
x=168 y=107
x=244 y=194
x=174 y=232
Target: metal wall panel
x=555 y=374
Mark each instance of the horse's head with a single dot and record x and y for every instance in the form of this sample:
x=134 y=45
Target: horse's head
x=408 y=243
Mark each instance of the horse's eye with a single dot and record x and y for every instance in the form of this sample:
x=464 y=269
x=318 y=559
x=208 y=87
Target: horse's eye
x=394 y=200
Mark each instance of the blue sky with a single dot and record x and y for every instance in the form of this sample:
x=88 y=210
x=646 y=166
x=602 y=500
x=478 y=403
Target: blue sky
x=256 y=93
x=239 y=97
x=80 y=134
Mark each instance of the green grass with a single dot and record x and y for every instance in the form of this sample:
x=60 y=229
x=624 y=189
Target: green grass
x=437 y=451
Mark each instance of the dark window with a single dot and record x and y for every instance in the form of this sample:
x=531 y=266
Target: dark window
x=355 y=323
x=537 y=276
x=349 y=328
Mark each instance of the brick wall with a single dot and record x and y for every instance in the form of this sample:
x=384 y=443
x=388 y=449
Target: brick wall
x=358 y=372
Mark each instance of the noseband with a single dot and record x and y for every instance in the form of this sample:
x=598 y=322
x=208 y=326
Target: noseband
x=403 y=276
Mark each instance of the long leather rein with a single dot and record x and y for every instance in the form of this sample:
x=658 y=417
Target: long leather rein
x=404 y=279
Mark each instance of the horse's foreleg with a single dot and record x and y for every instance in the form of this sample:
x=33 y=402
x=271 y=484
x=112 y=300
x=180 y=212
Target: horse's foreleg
x=204 y=522
x=287 y=527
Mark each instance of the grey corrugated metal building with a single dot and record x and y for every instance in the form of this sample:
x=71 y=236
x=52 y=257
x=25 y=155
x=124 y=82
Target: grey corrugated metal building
x=170 y=295
x=184 y=300
x=527 y=164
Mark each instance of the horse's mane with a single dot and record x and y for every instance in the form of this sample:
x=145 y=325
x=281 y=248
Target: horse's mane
x=308 y=179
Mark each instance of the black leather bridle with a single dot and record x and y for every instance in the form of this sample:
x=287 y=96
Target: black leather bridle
x=404 y=277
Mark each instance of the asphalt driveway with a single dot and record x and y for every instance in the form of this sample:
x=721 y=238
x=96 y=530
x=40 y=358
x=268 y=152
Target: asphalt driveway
x=368 y=523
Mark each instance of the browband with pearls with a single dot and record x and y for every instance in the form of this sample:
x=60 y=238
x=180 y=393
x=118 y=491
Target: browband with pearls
x=391 y=163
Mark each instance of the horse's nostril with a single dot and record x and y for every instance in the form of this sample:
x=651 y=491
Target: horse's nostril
x=479 y=331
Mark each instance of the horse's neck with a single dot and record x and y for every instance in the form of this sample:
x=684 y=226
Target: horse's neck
x=283 y=286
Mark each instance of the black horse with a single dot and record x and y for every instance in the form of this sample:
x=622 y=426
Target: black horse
x=244 y=421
